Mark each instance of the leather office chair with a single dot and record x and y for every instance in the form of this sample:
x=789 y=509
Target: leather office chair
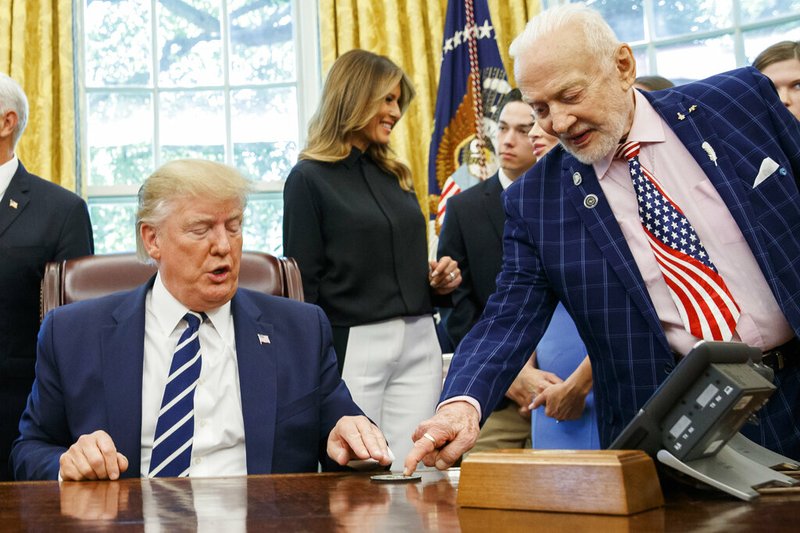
x=92 y=276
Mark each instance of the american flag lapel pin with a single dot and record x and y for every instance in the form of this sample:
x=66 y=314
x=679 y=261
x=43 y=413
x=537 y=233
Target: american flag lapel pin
x=13 y=203
x=263 y=339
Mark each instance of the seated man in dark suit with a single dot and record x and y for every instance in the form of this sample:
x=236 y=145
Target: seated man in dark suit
x=189 y=374
x=39 y=222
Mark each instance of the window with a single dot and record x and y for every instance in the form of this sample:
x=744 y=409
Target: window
x=226 y=80
x=691 y=39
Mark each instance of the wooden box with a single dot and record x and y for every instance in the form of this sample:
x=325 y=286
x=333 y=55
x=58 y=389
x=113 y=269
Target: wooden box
x=613 y=482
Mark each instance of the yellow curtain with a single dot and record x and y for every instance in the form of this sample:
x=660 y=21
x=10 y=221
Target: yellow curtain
x=410 y=33
x=36 y=50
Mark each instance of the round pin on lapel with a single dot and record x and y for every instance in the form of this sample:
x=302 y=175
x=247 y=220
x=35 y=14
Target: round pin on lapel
x=590 y=201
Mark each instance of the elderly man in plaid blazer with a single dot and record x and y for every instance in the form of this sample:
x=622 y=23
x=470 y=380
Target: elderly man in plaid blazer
x=724 y=150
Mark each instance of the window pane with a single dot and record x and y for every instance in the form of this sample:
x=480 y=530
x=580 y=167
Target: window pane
x=696 y=59
x=118 y=42
x=679 y=17
x=757 y=40
x=120 y=138
x=263 y=226
x=192 y=124
x=262 y=46
x=264 y=132
x=642 y=62
x=764 y=9
x=113 y=223
x=626 y=17
x=190 y=44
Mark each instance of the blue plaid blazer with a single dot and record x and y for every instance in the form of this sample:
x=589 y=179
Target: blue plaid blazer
x=555 y=249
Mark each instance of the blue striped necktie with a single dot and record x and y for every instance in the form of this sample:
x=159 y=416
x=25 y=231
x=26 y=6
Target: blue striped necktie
x=705 y=304
x=172 y=444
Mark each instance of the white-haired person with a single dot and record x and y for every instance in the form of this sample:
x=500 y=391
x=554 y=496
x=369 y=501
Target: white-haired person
x=39 y=222
x=667 y=218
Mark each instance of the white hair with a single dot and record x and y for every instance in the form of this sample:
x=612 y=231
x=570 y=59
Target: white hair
x=601 y=41
x=12 y=98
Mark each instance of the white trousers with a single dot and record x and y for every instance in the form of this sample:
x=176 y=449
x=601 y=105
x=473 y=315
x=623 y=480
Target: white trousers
x=394 y=372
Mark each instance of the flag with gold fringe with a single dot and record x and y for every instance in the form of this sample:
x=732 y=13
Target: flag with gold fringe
x=472 y=82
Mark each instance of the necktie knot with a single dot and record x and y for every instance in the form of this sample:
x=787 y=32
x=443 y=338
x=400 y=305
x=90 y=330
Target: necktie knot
x=194 y=319
x=627 y=150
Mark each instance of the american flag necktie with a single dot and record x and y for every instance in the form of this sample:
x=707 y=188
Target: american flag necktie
x=704 y=302
x=172 y=444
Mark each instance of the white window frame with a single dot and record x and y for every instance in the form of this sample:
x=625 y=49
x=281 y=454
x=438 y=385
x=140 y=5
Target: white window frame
x=305 y=18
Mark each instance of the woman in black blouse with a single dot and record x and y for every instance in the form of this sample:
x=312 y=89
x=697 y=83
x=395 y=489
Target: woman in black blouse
x=352 y=222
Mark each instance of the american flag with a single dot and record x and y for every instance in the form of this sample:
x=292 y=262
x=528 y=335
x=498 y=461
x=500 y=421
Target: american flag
x=704 y=302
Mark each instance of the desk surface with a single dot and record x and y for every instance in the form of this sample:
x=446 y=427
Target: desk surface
x=346 y=502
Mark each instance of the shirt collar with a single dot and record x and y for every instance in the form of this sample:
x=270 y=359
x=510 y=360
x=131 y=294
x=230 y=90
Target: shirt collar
x=7 y=171
x=647 y=127
x=505 y=181
x=168 y=311
x=353 y=157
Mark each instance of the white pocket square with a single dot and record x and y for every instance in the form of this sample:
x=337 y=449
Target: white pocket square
x=768 y=166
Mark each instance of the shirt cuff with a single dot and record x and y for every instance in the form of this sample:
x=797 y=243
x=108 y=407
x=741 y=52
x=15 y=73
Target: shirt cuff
x=469 y=399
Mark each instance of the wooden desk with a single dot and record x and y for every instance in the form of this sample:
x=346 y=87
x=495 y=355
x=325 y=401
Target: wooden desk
x=346 y=502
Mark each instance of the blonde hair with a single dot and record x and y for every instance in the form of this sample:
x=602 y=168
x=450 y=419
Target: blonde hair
x=601 y=41
x=353 y=94
x=182 y=178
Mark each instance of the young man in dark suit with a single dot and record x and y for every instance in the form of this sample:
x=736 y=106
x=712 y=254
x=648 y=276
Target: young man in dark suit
x=39 y=222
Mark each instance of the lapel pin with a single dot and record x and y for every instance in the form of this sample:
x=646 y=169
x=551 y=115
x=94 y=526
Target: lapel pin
x=263 y=339
x=13 y=204
x=692 y=107
x=710 y=151
x=681 y=116
x=590 y=202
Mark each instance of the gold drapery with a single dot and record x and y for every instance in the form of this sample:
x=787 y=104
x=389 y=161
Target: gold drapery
x=36 y=50
x=409 y=32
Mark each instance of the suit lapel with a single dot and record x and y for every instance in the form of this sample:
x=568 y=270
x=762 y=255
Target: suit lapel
x=493 y=205
x=258 y=382
x=602 y=226
x=123 y=363
x=15 y=199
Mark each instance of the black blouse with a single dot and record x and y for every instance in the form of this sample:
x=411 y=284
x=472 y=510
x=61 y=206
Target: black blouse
x=359 y=240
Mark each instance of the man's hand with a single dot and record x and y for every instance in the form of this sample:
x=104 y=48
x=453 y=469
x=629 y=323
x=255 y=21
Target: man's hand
x=92 y=457
x=355 y=437
x=441 y=440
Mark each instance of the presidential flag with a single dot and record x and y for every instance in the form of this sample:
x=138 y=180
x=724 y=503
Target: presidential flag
x=472 y=82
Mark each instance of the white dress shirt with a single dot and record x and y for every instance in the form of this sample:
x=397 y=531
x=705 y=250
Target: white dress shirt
x=7 y=171
x=219 y=446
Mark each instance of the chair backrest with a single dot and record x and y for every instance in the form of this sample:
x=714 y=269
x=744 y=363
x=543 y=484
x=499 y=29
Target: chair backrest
x=92 y=276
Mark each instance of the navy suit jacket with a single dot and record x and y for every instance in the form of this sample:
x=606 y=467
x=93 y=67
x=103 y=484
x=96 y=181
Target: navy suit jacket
x=89 y=377
x=555 y=249
x=472 y=234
